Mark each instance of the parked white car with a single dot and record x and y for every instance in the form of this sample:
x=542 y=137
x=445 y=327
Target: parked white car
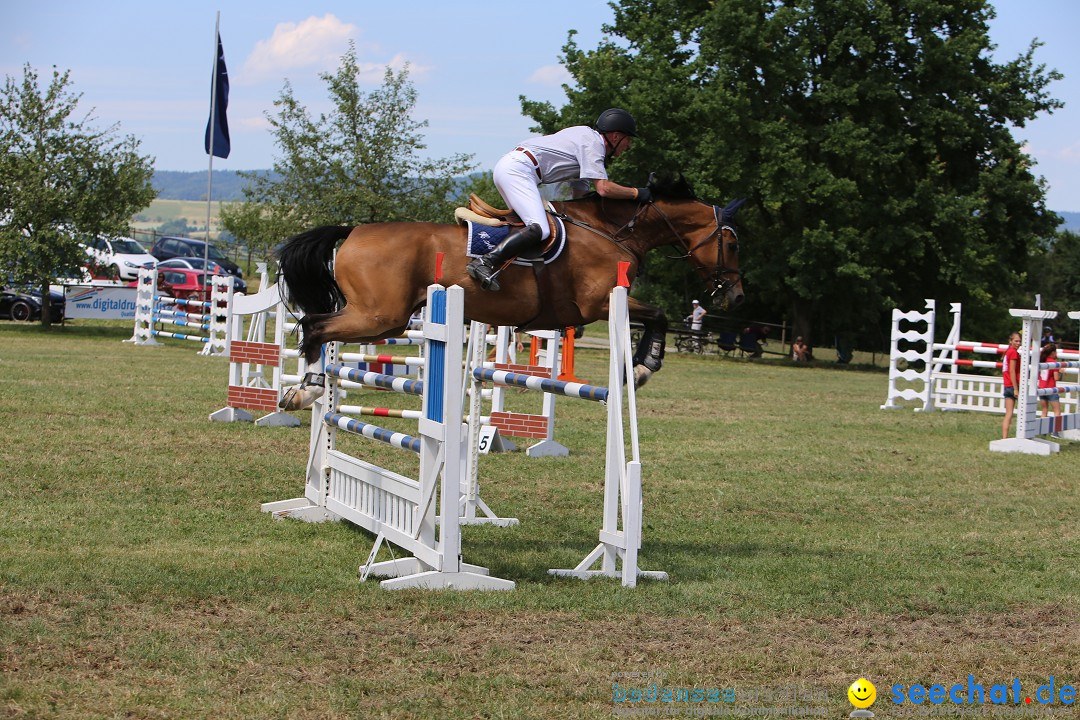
x=125 y=254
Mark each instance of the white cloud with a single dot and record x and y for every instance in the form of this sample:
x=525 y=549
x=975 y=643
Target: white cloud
x=1070 y=153
x=554 y=75
x=318 y=44
x=313 y=43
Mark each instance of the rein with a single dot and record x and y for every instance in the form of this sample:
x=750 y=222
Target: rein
x=612 y=238
x=715 y=278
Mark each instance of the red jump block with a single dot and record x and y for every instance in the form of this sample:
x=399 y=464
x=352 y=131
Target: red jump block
x=534 y=370
x=253 y=398
x=520 y=424
x=255 y=352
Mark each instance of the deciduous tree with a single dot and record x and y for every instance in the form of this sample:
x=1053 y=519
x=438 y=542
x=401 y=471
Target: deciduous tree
x=875 y=139
x=358 y=163
x=61 y=179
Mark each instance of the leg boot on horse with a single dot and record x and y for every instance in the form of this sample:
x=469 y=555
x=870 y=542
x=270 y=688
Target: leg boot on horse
x=486 y=269
x=302 y=396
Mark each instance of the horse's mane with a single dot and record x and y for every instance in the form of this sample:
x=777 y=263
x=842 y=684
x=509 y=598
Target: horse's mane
x=669 y=185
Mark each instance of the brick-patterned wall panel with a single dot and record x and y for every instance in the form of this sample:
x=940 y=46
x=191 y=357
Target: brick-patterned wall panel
x=535 y=370
x=254 y=398
x=520 y=424
x=255 y=352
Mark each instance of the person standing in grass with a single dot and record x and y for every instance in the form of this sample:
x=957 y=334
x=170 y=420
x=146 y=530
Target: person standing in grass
x=1010 y=370
x=1049 y=379
x=696 y=318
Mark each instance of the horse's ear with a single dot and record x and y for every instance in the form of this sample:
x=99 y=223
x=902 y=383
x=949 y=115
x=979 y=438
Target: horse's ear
x=728 y=213
x=662 y=180
x=671 y=184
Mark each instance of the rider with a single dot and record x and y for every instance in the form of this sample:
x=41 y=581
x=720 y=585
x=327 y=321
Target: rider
x=578 y=152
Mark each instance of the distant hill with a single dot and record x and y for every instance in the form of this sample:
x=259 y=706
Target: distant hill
x=1071 y=221
x=175 y=185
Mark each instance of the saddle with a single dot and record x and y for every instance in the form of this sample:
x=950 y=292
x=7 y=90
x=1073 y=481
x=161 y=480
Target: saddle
x=480 y=212
x=480 y=207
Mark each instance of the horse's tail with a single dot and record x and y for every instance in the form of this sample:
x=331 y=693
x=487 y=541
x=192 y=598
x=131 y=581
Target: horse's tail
x=304 y=262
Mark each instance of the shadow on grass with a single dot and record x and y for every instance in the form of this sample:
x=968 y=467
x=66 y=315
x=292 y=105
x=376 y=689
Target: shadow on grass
x=521 y=558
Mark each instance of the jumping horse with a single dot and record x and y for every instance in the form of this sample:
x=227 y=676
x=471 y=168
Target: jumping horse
x=382 y=270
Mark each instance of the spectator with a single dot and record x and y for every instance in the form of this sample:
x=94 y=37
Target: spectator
x=1010 y=370
x=753 y=340
x=799 y=351
x=696 y=317
x=1047 y=336
x=1049 y=379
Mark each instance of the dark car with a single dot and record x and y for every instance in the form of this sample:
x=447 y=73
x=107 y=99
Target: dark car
x=24 y=305
x=196 y=263
x=167 y=248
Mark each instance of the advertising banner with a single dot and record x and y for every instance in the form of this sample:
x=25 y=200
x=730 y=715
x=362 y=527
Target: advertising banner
x=100 y=302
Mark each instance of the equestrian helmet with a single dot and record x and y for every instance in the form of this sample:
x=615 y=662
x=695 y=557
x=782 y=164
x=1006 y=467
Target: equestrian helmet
x=617 y=120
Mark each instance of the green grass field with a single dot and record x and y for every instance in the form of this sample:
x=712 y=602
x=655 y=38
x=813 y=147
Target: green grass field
x=193 y=211
x=810 y=538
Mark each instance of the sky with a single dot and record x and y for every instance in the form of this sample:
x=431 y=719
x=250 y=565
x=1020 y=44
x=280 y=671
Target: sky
x=147 y=66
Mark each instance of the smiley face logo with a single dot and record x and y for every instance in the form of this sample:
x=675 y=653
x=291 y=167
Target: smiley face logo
x=862 y=693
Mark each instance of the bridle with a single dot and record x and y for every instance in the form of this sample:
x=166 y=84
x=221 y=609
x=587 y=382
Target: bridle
x=716 y=280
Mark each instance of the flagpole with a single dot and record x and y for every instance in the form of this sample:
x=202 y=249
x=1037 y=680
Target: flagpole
x=210 y=170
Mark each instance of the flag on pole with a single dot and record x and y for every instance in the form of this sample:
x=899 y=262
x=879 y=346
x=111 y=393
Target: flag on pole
x=218 y=123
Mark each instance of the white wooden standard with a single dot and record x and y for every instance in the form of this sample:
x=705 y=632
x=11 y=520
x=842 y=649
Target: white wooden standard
x=419 y=515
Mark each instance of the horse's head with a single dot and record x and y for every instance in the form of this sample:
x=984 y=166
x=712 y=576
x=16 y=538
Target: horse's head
x=707 y=233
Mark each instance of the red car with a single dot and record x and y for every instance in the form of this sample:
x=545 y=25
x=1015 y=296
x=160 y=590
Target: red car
x=181 y=283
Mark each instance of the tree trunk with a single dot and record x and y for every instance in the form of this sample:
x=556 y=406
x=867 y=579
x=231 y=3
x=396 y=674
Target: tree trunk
x=46 y=303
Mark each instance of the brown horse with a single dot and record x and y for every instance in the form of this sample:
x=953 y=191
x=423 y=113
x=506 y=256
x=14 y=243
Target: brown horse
x=382 y=271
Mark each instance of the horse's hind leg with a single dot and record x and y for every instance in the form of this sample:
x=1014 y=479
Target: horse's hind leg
x=313 y=329
x=348 y=325
x=317 y=330
x=312 y=384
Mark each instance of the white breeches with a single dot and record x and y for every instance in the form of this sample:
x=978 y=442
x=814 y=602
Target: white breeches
x=515 y=178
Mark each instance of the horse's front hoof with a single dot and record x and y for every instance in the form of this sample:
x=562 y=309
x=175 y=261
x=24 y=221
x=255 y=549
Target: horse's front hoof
x=641 y=375
x=300 y=397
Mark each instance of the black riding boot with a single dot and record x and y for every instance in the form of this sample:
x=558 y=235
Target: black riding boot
x=484 y=269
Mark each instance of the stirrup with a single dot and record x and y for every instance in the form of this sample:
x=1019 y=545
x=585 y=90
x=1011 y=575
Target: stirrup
x=483 y=273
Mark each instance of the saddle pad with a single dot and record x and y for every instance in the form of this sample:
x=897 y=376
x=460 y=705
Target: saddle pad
x=482 y=239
